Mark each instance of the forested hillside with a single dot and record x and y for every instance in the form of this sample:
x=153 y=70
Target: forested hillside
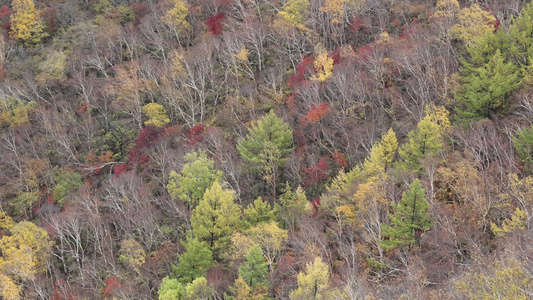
x=247 y=149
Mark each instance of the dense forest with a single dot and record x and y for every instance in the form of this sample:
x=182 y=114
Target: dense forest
x=246 y=149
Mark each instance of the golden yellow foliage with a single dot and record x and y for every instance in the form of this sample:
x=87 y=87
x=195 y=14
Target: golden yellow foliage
x=25 y=24
x=5 y=221
x=335 y=8
x=243 y=54
x=25 y=252
x=439 y=115
x=131 y=254
x=474 y=23
x=446 y=9
x=241 y=245
x=8 y=289
x=177 y=68
x=517 y=222
x=506 y=279
x=268 y=236
x=381 y=156
x=16 y=113
x=177 y=16
x=157 y=115
x=383 y=38
x=323 y=66
x=241 y=290
x=294 y=12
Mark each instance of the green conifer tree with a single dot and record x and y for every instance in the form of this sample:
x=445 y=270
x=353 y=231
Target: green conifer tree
x=314 y=283
x=171 y=289
x=523 y=144
x=258 y=212
x=270 y=128
x=197 y=175
x=423 y=142
x=485 y=90
x=291 y=207
x=409 y=220
x=521 y=35
x=215 y=218
x=381 y=155
x=254 y=271
x=266 y=146
x=194 y=262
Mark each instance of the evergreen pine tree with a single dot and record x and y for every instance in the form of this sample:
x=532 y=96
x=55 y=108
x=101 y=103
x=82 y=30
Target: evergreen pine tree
x=258 y=212
x=523 y=144
x=216 y=218
x=485 y=89
x=254 y=271
x=423 y=142
x=409 y=220
x=197 y=175
x=381 y=155
x=266 y=146
x=271 y=129
x=194 y=262
x=314 y=283
x=521 y=35
x=291 y=207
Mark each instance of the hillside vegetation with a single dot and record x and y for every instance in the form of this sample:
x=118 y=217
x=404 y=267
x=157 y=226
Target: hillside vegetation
x=244 y=149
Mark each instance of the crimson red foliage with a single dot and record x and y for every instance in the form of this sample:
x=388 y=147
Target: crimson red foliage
x=146 y=137
x=336 y=56
x=497 y=24
x=340 y=159
x=121 y=169
x=214 y=23
x=315 y=203
x=364 y=52
x=358 y=24
x=301 y=69
x=317 y=112
x=317 y=174
x=194 y=134
x=5 y=11
x=6 y=26
x=111 y=284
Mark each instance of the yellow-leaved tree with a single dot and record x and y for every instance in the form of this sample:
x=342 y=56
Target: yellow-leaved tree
x=446 y=9
x=474 y=23
x=24 y=254
x=314 y=283
x=334 y=8
x=131 y=254
x=25 y=23
x=177 y=16
x=294 y=13
x=323 y=65
x=157 y=115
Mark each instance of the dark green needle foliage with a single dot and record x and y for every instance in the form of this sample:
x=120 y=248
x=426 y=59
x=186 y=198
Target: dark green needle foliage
x=254 y=271
x=194 y=262
x=409 y=220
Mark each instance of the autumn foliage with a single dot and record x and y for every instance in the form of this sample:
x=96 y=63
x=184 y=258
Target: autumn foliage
x=295 y=149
